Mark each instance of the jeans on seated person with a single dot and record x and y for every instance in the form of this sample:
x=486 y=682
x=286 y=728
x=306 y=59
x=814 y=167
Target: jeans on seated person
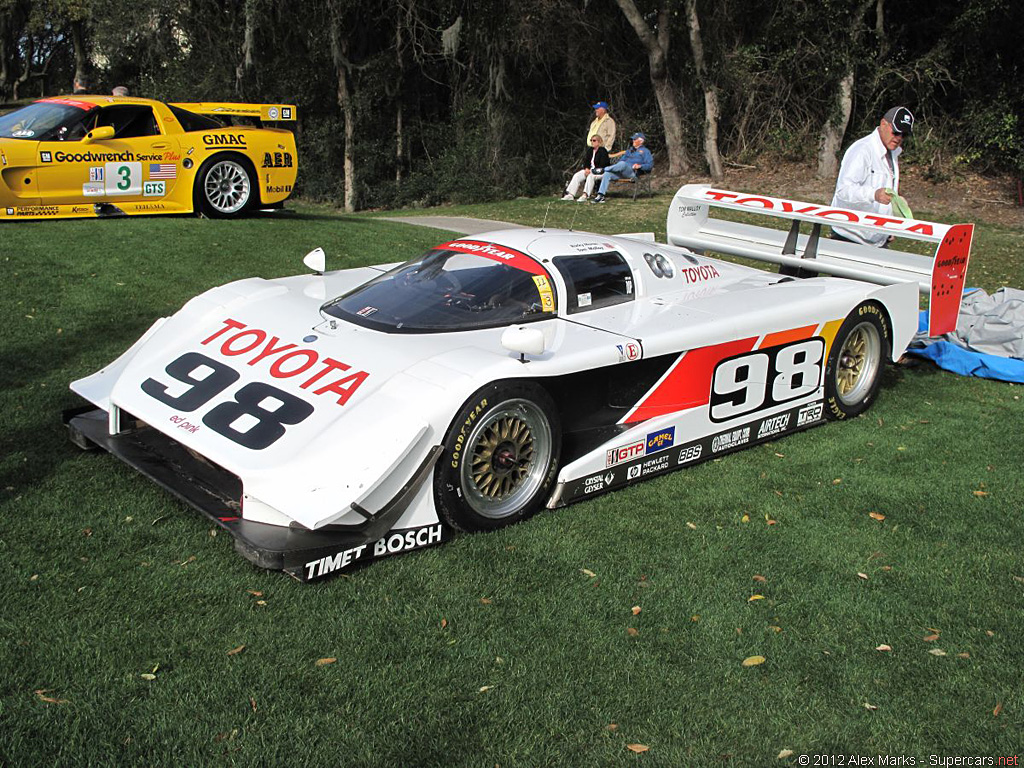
x=619 y=170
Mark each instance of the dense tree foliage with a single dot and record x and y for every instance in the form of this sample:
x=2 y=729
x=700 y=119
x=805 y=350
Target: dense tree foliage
x=420 y=101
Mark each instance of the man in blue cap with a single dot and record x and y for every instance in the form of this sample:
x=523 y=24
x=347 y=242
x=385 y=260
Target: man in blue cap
x=603 y=125
x=635 y=160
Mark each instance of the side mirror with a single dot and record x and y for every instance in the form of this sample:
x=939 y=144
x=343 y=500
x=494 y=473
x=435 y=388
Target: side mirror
x=524 y=341
x=102 y=133
x=316 y=260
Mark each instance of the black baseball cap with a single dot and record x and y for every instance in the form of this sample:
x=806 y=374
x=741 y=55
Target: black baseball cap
x=901 y=120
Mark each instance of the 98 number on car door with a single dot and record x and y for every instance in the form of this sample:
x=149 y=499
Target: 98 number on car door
x=767 y=377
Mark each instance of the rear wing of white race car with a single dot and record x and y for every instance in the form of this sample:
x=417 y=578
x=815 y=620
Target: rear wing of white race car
x=940 y=277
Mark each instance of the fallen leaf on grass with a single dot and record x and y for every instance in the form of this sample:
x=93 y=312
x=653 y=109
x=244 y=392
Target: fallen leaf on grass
x=964 y=655
x=587 y=572
x=148 y=676
x=261 y=602
x=784 y=754
x=752 y=598
x=760 y=578
x=981 y=493
x=638 y=748
x=636 y=609
x=41 y=694
x=633 y=632
x=883 y=647
x=937 y=652
x=254 y=592
x=444 y=623
x=876 y=515
x=837 y=481
x=190 y=559
x=998 y=709
x=236 y=651
x=863 y=575
x=691 y=526
x=990 y=633
x=325 y=661
x=612 y=727
x=775 y=628
x=695 y=617
x=485 y=600
x=870 y=707
x=753 y=661
x=781 y=455
x=485 y=688
x=931 y=638
x=745 y=519
x=768 y=519
x=252 y=703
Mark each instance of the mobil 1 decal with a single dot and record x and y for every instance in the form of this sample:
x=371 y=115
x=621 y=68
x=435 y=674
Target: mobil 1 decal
x=756 y=381
x=661 y=454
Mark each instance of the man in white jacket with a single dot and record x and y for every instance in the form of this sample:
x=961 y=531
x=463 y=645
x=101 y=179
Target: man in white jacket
x=870 y=174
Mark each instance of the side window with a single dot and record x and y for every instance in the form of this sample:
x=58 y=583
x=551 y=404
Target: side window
x=129 y=121
x=595 y=280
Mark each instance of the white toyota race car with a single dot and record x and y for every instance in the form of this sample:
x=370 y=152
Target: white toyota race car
x=332 y=418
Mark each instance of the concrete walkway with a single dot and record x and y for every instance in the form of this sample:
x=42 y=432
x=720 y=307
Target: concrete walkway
x=464 y=225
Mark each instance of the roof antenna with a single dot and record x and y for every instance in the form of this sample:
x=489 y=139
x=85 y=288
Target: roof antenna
x=546 y=210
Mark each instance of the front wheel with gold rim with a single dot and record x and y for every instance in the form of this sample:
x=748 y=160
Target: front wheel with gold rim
x=853 y=374
x=501 y=457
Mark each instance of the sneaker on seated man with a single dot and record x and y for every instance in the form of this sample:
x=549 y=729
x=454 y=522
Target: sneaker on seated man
x=634 y=160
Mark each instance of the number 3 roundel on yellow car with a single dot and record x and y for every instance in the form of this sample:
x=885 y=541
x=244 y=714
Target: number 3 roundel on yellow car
x=100 y=156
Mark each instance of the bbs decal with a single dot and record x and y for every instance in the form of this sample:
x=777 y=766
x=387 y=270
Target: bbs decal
x=765 y=378
x=255 y=418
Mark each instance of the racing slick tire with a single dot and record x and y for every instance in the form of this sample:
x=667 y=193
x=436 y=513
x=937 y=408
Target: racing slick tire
x=500 y=458
x=853 y=372
x=225 y=186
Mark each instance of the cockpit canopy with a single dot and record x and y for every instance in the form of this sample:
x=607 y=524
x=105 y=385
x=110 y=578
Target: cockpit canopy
x=459 y=286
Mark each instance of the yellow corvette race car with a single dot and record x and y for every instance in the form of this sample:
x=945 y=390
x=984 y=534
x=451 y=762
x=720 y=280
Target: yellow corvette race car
x=97 y=156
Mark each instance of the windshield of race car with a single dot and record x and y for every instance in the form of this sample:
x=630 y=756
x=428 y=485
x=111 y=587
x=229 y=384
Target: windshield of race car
x=41 y=121
x=449 y=290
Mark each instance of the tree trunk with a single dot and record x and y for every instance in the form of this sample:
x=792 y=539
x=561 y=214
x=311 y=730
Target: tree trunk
x=711 y=112
x=832 y=132
x=342 y=69
x=670 y=101
x=243 y=72
x=81 y=55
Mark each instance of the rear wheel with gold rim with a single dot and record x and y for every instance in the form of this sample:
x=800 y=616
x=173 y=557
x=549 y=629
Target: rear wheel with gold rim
x=855 y=363
x=501 y=457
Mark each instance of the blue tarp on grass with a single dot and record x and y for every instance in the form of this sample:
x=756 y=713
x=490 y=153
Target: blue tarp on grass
x=955 y=358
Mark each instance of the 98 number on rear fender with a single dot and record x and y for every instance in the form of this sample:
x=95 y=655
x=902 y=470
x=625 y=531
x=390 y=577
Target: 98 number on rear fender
x=255 y=418
x=765 y=378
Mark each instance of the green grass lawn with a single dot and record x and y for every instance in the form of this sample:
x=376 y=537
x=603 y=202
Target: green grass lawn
x=132 y=634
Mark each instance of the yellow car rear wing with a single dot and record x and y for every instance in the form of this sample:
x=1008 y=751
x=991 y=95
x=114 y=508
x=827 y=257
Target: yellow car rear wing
x=265 y=112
